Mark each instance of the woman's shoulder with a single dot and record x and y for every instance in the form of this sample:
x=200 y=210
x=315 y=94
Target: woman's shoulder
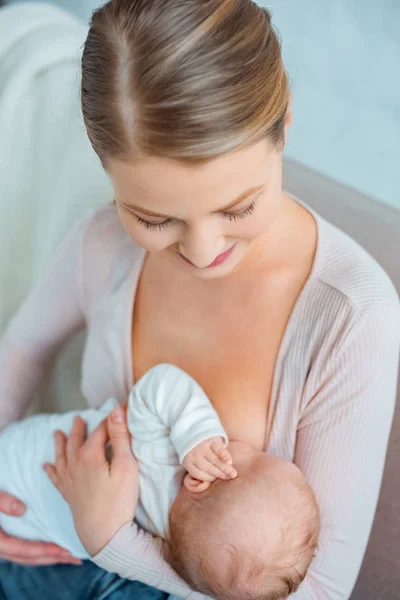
x=104 y=230
x=347 y=270
x=108 y=252
x=349 y=300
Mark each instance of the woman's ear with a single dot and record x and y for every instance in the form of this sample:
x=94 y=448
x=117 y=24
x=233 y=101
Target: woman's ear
x=289 y=119
x=195 y=486
x=289 y=114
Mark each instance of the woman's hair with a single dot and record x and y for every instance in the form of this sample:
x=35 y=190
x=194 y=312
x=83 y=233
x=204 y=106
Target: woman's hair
x=183 y=79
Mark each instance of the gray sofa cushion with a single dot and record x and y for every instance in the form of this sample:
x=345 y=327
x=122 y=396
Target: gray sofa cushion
x=377 y=228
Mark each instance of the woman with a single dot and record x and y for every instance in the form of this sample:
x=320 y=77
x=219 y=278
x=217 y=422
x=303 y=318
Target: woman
x=204 y=262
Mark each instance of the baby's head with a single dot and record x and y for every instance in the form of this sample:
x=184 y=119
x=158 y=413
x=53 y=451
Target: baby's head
x=250 y=538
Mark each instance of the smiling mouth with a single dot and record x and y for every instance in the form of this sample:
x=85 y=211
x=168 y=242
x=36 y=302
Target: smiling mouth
x=221 y=258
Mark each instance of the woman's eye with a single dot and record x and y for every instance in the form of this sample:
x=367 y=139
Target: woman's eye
x=168 y=222
x=155 y=226
x=241 y=215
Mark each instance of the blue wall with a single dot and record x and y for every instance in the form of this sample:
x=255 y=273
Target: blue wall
x=344 y=60
x=343 y=57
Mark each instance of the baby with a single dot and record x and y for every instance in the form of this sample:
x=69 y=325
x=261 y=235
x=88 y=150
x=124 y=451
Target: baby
x=247 y=531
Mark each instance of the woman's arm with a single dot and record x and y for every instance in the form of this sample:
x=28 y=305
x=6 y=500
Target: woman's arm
x=50 y=314
x=135 y=554
x=341 y=447
x=103 y=500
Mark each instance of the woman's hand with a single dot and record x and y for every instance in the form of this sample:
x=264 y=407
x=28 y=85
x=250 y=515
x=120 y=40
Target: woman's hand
x=102 y=495
x=26 y=552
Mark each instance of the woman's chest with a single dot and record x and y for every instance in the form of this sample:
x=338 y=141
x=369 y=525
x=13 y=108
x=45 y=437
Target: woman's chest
x=228 y=343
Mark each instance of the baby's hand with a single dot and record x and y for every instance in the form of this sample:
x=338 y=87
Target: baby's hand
x=210 y=460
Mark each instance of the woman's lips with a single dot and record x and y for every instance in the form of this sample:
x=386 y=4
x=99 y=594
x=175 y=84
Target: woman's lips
x=221 y=258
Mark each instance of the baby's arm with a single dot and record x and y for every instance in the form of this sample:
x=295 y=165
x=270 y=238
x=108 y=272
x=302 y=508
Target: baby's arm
x=167 y=402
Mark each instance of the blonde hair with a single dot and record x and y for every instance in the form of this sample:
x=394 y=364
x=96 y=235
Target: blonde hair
x=188 y=80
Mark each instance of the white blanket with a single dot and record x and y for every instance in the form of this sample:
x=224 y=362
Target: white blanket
x=49 y=173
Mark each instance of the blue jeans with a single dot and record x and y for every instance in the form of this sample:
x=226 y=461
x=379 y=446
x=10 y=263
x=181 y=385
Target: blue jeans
x=70 y=582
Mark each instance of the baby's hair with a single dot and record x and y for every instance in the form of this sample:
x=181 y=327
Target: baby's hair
x=213 y=558
x=262 y=581
x=258 y=576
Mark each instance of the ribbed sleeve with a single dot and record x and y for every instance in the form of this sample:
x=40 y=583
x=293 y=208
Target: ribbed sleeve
x=50 y=314
x=341 y=446
x=136 y=554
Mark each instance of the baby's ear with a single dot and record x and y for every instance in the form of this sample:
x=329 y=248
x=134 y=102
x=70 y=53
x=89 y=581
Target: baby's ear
x=194 y=485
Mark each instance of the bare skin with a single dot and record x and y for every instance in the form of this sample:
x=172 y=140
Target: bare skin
x=219 y=336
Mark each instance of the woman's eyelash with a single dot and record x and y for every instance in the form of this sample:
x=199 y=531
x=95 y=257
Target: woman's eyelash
x=231 y=216
x=241 y=215
x=155 y=226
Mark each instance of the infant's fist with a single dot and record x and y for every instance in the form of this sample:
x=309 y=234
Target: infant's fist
x=210 y=460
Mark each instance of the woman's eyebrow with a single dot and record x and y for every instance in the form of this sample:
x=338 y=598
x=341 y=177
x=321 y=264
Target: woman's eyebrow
x=239 y=199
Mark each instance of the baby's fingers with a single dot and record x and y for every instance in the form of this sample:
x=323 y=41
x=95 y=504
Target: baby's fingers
x=212 y=469
x=218 y=466
x=199 y=473
x=224 y=468
x=218 y=447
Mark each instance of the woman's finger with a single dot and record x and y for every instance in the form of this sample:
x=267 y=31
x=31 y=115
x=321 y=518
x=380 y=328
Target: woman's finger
x=52 y=474
x=76 y=439
x=41 y=560
x=94 y=447
x=60 y=449
x=119 y=436
x=26 y=549
x=10 y=505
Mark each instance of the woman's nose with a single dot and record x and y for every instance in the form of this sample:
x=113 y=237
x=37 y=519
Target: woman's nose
x=202 y=245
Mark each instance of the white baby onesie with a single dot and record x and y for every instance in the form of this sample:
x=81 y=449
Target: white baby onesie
x=168 y=415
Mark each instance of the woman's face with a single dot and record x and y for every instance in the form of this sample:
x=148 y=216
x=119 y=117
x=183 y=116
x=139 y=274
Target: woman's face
x=203 y=218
